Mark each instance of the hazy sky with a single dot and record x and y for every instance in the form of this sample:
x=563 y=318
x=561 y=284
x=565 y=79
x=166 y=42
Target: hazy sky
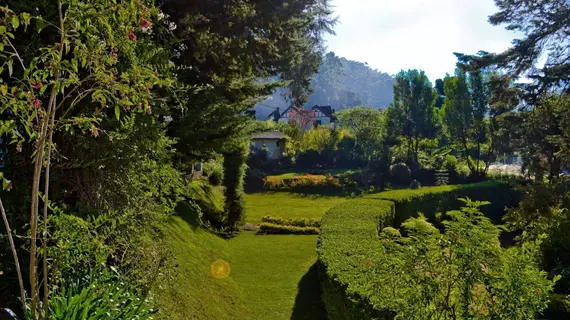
x=391 y=35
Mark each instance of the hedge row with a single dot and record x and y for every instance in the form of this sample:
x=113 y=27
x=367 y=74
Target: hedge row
x=431 y=200
x=348 y=247
x=272 y=228
x=301 y=222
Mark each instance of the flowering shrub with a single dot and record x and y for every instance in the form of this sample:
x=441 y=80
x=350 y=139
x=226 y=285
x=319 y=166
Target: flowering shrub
x=300 y=182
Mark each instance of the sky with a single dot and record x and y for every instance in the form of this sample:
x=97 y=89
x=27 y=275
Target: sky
x=391 y=35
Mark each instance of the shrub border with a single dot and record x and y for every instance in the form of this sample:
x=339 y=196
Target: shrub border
x=348 y=244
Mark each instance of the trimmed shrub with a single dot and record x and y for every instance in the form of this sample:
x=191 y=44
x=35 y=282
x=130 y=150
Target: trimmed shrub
x=234 y=172
x=302 y=182
x=291 y=222
x=349 y=249
x=400 y=173
x=272 y=228
x=431 y=200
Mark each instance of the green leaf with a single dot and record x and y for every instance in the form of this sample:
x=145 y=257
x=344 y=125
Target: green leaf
x=39 y=24
x=117 y=112
x=15 y=21
x=1 y=46
x=2 y=29
x=10 y=67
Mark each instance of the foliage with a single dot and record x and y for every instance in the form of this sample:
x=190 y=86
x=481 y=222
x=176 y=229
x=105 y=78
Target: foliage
x=544 y=24
x=302 y=182
x=359 y=281
x=412 y=115
x=432 y=200
x=272 y=228
x=463 y=273
x=348 y=251
x=99 y=301
x=366 y=125
x=254 y=180
x=300 y=222
x=400 y=173
x=214 y=170
x=234 y=174
x=283 y=41
x=415 y=185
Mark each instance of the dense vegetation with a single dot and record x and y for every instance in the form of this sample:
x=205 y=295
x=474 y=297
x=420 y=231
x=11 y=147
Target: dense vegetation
x=110 y=108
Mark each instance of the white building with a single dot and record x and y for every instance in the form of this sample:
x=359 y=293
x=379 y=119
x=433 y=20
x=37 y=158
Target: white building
x=274 y=141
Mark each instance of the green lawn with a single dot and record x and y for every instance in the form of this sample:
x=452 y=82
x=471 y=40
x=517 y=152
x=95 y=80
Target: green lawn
x=287 y=205
x=271 y=276
x=193 y=293
x=277 y=276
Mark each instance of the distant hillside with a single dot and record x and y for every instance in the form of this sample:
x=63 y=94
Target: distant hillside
x=340 y=83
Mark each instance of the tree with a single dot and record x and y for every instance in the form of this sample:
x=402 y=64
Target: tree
x=367 y=126
x=465 y=113
x=414 y=117
x=224 y=50
x=545 y=25
x=234 y=173
x=91 y=56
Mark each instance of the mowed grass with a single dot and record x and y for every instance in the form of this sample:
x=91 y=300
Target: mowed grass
x=271 y=276
x=193 y=292
x=277 y=276
x=287 y=205
x=289 y=175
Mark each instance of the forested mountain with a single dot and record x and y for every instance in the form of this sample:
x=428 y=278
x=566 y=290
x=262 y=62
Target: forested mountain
x=340 y=83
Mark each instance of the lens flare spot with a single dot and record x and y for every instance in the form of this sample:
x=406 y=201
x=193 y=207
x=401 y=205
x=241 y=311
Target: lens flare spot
x=220 y=269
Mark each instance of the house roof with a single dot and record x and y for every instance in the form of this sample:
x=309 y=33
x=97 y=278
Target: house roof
x=326 y=110
x=268 y=135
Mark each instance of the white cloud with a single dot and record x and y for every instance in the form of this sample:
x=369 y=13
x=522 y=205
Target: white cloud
x=391 y=35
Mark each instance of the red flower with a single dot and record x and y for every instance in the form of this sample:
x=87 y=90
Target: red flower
x=132 y=36
x=36 y=103
x=144 y=24
x=37 y=86
x=15 y=94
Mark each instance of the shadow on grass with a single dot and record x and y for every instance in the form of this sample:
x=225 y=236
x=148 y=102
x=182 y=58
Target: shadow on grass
x=188 y=214
x=308 y=303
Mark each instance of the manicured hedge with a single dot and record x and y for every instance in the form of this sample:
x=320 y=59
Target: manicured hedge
x=272 y=228
x=347 y=250
x=431 y=200
x=348 y=246
x=302 y=222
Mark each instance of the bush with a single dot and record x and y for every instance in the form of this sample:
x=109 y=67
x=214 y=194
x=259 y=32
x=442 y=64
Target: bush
x=234 y=174
x=348 y=250
x=302 y=182
x=254 y=180
x=271 y=228
x=354 y=265
x=431 y=200
x=303 y=222
x=400 y=173
x=214 y=170
x=99 y=301
x=415 y=185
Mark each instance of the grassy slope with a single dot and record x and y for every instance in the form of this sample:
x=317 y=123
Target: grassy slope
x=277 y=276
x=194 y=293
x=287 y=205
x=272 y=277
